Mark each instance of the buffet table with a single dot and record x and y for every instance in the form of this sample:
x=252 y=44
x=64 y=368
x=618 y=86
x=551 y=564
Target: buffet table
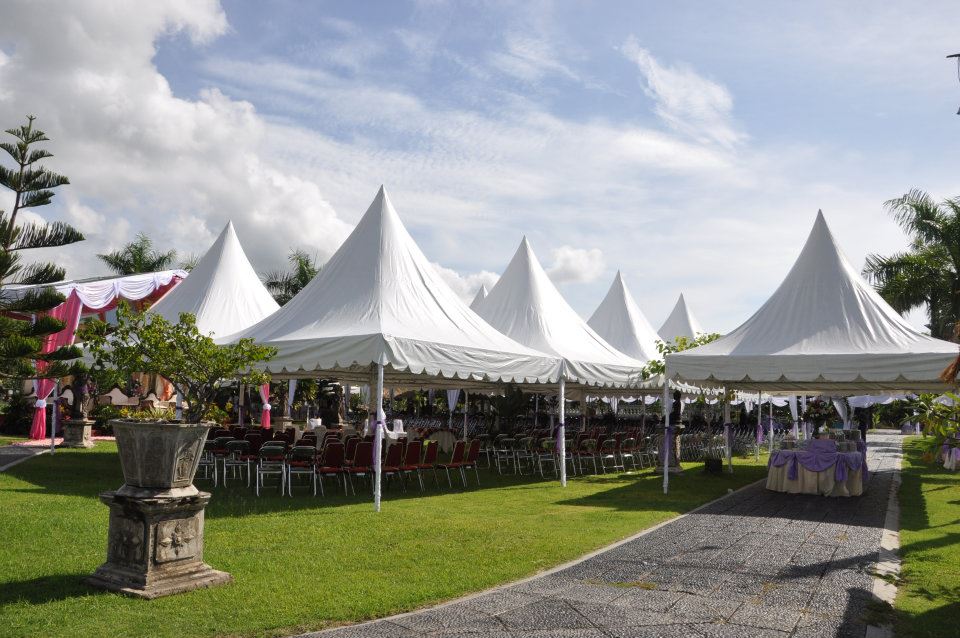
x=818 y=469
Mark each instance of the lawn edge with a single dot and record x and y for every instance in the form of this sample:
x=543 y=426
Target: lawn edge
x=536 y=575
x=25 y=457
x=887 y=567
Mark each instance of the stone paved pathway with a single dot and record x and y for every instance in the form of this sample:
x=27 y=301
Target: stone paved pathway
x=756 y=563
x=11 y=455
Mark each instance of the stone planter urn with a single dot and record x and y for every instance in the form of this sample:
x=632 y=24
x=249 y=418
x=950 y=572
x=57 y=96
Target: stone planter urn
x=155 y=539
x=78 y=434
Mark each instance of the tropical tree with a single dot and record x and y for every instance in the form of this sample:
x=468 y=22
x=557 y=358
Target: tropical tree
x=137 y=257
x=926 y=274
x=22 y=339
x=285 y=284
x=658 y=366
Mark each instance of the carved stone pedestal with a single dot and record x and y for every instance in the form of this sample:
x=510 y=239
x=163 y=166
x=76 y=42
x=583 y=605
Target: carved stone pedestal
x=674 y=456
x=155 y=546
x=78 y=434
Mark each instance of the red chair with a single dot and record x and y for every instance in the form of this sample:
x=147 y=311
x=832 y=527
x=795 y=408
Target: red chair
x=303 y=462
x=411 y=461
x=431 y=449
x=473 y=453
x=455 y=463
x=362 y=464
x=391 y=464
x=350 y=449
x=332 y=465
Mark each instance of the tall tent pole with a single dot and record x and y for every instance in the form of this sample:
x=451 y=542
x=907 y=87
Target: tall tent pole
x=771 y=426
x=378 y=439
x=53 y=416
x=562 y=433
x=666 y=434
x=466 y=398
x=726 y=431
x=759 y=423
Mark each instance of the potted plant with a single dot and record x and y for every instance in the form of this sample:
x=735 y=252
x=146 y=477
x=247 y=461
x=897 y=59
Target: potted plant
x=155 y=541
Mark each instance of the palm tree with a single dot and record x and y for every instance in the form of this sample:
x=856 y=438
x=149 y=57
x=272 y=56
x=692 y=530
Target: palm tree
x=926 y=274
x=138 y=256
x=284 y=285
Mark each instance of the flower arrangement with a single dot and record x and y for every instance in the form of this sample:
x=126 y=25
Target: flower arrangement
x=819 y=412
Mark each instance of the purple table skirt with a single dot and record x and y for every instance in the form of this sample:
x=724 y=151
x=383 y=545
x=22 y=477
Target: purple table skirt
x=819 y=460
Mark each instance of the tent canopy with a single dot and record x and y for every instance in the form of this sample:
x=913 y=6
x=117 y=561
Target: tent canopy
x=378 y=300
x=223 y=291
x=680 y=323
x=619 y=320
x=825 y=329
x=526 y=306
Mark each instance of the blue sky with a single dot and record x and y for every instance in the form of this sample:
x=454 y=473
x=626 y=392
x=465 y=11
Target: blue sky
x=688 y=144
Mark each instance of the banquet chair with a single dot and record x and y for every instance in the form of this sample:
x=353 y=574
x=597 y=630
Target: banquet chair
x=503 y=454
x=235 y=460
x=628 y=450
x=473 y=454
x=546 y=454
x=208 y=463
x=455 y=463
x=587 y=450
x=391 y=464
x=608 y=452
x=271 y=461
x=331 y=464
x=524 y=453
x=430 y=451
x=362 y=464
x=302 y=462
x=411 y=462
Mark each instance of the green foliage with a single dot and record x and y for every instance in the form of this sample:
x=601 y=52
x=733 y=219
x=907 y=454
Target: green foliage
x=20 y=339
x=284 y=285
x=103 y=414
x=17 y=414
x=191 y=361
x=216 y=414
x=679 y=344
x=940 y=422
x=926 y=274
x=509 y=406
x=137 y=257
x=148 y=414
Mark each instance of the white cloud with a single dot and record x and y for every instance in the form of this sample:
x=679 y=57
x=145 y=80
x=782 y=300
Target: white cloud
x=139 y=157
x=581 y=265
x=466 y=286
x=529 y=58
x=686 y=101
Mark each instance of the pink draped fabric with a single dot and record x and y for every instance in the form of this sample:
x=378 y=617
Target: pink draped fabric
x=69 y=313
x=265 y=397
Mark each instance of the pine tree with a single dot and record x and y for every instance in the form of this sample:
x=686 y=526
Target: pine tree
x=22 y=337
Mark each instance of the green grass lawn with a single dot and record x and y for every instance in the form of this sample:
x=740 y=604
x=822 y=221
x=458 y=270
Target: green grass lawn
x=305 y=563
x=928 y=601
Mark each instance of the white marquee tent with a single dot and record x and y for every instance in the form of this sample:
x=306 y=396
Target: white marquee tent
x=378 y=310
x=223 y=291
x=526 y=306
x=824 y=329
x=680 y=323
x=619 y=320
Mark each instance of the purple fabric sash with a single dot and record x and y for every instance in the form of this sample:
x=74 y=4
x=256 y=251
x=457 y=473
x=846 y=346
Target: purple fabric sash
x=819 y=461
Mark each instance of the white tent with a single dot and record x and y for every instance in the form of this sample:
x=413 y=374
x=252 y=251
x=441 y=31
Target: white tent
x=527 y=307
x=478 y=298
x=379 y=310
x=824 y=329
x=378 y=300
x=223 y=291
x=623 y=325
x=680 y=323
